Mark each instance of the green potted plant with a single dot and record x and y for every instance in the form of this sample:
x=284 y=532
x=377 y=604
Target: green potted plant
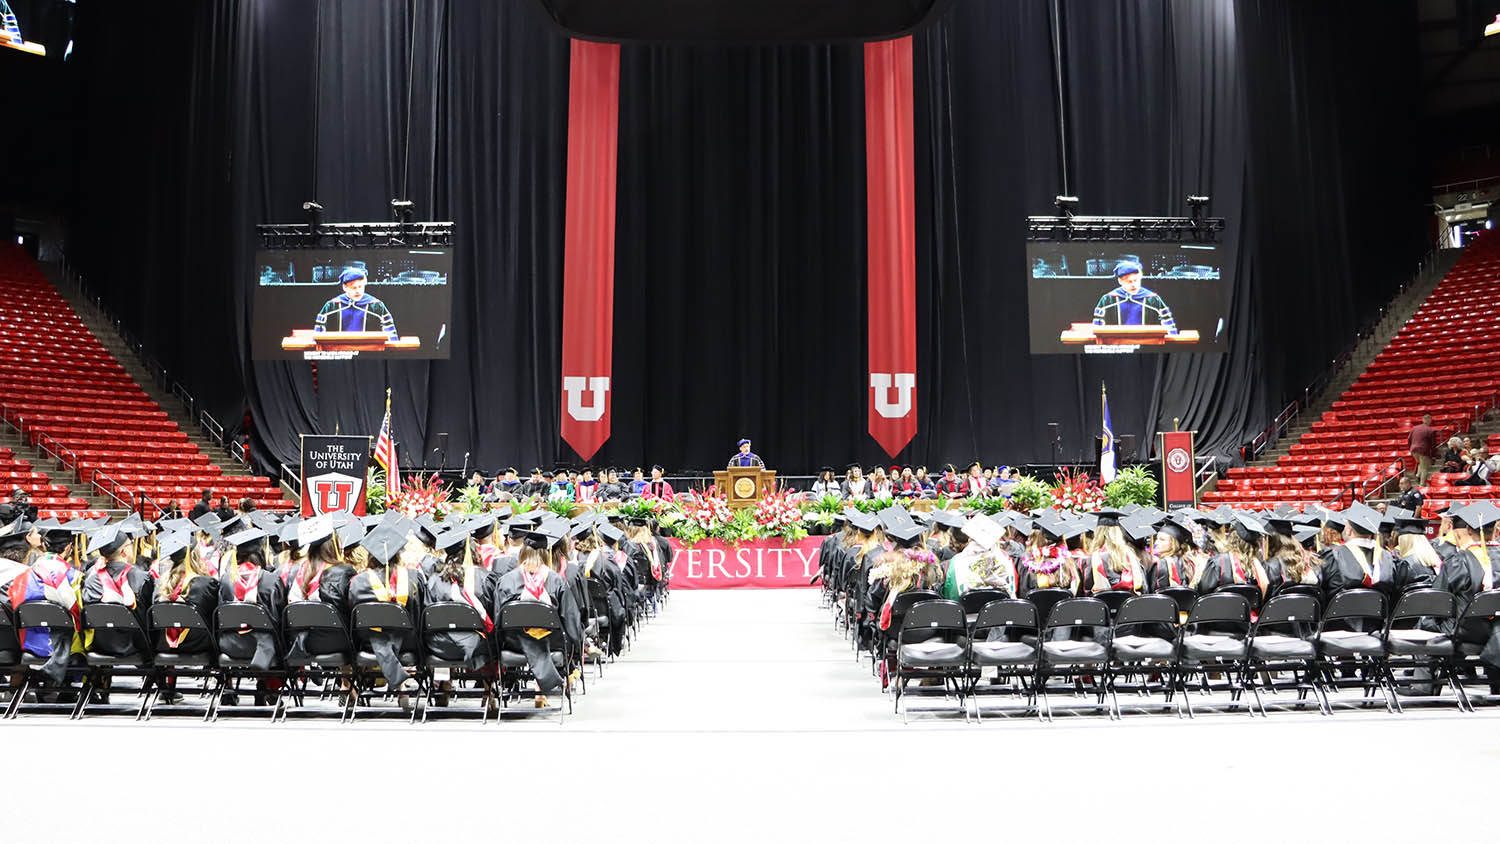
x=1132 y=485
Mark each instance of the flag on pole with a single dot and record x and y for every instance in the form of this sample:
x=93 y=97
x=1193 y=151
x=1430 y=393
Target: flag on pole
x=1107 y=448
x=385 y=452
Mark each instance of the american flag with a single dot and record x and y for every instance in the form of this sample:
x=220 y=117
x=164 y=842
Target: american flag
x=385 y=452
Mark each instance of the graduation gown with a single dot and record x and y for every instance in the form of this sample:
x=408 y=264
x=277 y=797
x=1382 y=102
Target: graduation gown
x=664 y=554
x=464 y=646
x=600 y=566
x=202 y=594
x=1341 y=570
x=332 y=589
x=256 y=646
x=1106 y=579
x=388 y=646
x=1166 y=572
x=512 y=587
x=116 y=642
x=1221 y=570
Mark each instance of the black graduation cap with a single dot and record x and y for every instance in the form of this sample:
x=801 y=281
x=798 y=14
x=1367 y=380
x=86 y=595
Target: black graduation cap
x=1178 y=527
x=1074 y=527
x=265 y=520
x=246 y=537
x=383 y=544
x=1108 y=517
x=1479 y=515
x=1138 y=530
x=14 y=534
x=1305 y=534
x=1335 y=520
x=176 y=525
x=209 y=518
x=1249 y=527
x=1051 y=528
x=828 y=469
x=350 y=532
x=481 y=526
x=852 y=466
x=450 y=538
x=580 y=527
x=106 y=540
x=132 y=526
x=907 y=534
x=1413 y=525
x=895 y=516
x=1280 y=525
x=545 y=535
x=1363 y=520
x=289 y=533
x=174 y=543
x=948 y=518
x=611 y=534
x=864 y=521
x=370 y=520
x=314 y=530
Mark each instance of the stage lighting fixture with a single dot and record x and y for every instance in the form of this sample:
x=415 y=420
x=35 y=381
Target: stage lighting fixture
x=1493 y=28
x=1199 y=204
x=1065 y=205
x=403 y=210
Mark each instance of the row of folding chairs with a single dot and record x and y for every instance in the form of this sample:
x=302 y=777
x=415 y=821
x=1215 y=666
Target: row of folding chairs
x=1161 y=650
x=347 y=671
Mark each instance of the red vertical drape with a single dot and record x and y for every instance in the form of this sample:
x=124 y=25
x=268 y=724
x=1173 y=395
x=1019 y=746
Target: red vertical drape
x=890 y=214
x=589 y=245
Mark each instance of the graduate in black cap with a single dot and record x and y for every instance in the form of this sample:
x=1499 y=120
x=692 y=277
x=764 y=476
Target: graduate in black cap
x=385 y=580
x=1113 y=563
x=244 y=579
x=323 y=576
x=535 y=580
x=459 y=580
x=646 y=556
x=1417 y=563
x=1171 y=556
x=185 y=582
x=908 y=565
x=1241 y=559
x=1287 y=561
x=116 y=580
x=596 y=550
x=1360 y=561
x=1045 y=562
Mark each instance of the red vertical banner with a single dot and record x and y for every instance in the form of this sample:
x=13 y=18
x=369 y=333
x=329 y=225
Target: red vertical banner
x=589 y=245
x=1179 y=480
x=890 y=202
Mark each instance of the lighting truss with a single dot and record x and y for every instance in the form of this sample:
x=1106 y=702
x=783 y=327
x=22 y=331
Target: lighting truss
x=417 y=235
x=1191 y=229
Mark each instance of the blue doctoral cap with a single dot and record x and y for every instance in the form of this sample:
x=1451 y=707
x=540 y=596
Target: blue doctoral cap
x=1125 y=268
x=742 y=441
x=352 y=274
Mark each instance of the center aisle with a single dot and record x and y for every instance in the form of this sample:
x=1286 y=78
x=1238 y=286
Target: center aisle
x=736 y=660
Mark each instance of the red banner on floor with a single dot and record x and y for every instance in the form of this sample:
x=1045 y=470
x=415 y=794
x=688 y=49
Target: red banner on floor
x=890 y=203
x=589 y=245
x=712 y=564
x=1179 y=481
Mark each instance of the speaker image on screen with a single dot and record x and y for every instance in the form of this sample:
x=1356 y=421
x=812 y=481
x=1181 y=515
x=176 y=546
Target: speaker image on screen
x=1125 y=297
x=337 y=304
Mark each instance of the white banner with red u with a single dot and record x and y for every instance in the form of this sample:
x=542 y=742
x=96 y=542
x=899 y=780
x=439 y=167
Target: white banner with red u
x=589 y=244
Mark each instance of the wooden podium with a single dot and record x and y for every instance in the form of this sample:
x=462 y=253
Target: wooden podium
x=744 y=486
x=1083 y=333
x=305 y=339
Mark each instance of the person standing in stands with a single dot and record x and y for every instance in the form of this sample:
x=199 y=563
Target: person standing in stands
x=204 y=506
x=1422 y=442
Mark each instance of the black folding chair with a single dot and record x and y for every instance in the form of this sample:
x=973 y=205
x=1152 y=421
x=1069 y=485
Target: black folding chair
x=1185 y=597
x=327 y=663
x=103 y=669
x=451 y=616
x=1046 y=599
x=1072 y=648
x=603 y=627
x=1308 y=589
x=516 y=618
x=172 y=665
x=1284 y=642
x=1414 y=642
x=36 y=615
x=10 y=648
x=1215 y=640
x=1114 y=599
x=1143 y=642
x=1249 y=591
x=246 y=619
x=392 y=620
x=1351 y=646
x=1471 y=633
x=931 y=643
x=975 y=600
x=885 y=640
x=1004 y=637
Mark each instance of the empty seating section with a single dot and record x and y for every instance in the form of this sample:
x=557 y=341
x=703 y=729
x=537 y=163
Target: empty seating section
x=67 y=394
x=1445 y=361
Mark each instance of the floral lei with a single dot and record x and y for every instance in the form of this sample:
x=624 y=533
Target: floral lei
x=920 y=555
x=1050 y=562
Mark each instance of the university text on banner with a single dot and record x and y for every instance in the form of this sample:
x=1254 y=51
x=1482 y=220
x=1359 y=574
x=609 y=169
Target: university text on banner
x=333 y=474
x=711 y=564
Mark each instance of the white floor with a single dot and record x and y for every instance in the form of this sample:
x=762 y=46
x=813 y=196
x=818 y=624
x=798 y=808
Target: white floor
x=742 y=716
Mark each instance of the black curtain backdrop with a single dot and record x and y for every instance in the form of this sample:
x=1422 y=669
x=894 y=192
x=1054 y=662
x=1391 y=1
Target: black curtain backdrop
x=740 y=263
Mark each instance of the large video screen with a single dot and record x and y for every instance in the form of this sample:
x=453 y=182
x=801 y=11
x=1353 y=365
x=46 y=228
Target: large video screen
x=338 y=304
x=1126 y=297
x=38 y=27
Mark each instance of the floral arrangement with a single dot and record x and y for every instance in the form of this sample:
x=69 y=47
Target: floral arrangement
x=470 y=501
x=1075 y=490
x=779 y=514
x=704 y=514
x=421 y=495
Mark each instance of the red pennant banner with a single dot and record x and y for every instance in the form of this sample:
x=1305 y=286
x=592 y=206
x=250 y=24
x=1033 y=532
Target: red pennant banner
x=890 y=214
x=1179 y=481
x=589 y=245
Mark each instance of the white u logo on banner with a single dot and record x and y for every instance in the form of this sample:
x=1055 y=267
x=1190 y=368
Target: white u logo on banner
x=573 y=387
x=905 y=383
